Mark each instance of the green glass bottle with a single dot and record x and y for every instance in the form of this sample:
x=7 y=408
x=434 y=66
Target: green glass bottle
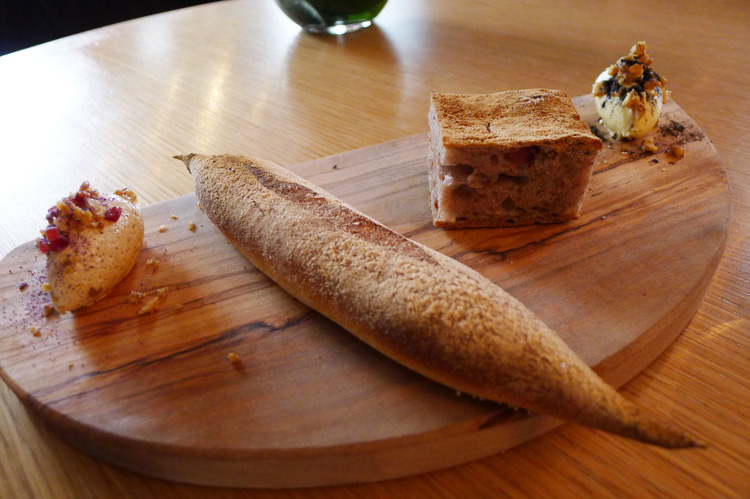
x=334 y=17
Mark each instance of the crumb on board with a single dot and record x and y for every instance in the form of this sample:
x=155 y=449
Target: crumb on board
x=149 y=307
x=649 y=146
x=46 y=287
x=178 y=306
x=134 y=297
x=162 y=228
x=191 y=226
x=35 y=331
x=676 y=151
x=235 y=360
x=48 y=310
x=153 y=304
x=23 y=285
x=153 y=263
x=199 y=206
x=173 y=217
x=70 y=367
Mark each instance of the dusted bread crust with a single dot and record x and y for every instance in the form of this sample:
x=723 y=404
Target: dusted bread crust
x=415 y=305
x=514 y=118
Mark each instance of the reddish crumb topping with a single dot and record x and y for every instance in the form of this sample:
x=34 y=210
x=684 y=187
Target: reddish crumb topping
x=84 y=208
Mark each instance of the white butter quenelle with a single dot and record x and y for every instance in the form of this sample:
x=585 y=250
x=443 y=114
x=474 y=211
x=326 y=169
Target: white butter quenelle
x=629 y=95
x=92 y=242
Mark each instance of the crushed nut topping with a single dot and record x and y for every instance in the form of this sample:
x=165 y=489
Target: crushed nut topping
x=632 y=79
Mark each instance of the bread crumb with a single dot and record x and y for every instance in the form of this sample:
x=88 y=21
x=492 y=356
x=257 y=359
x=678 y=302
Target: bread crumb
x=48 y=310
x=134 y=297
x=153 y=263
x=174 y=217
x=149 y=307
x=191 y=226
x=46 y=287
x=235 y=360
x=178 y=306
x=649 y=146
x=70 y=367
x=676 y=151
x=199 y=206
x=162 y=228
x=162 y=292
x=35 y=331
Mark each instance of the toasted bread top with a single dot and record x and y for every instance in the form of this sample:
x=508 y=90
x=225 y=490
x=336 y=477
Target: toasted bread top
x=515 y=118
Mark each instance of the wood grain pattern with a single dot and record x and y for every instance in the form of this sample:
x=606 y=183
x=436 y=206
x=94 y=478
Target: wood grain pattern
x=308 y=404
x=112 y=105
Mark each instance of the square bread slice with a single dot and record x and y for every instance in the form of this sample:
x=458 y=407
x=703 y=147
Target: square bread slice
x=509 y=158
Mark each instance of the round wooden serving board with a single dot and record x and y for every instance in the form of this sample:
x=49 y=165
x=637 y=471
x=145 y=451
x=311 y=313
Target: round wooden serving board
x=309 y=404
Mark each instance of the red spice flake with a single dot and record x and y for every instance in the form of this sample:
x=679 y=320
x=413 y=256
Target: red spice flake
x=79 y=199
x=53 y=213
x=113 y=213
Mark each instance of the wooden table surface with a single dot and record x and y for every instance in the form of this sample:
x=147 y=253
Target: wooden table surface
x=113 y=105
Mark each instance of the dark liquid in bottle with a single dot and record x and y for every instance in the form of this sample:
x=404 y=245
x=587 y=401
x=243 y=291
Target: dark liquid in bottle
x=323 y=13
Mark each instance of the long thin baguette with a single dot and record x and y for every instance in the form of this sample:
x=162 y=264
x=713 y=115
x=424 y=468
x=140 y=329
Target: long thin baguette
x=415 y=305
